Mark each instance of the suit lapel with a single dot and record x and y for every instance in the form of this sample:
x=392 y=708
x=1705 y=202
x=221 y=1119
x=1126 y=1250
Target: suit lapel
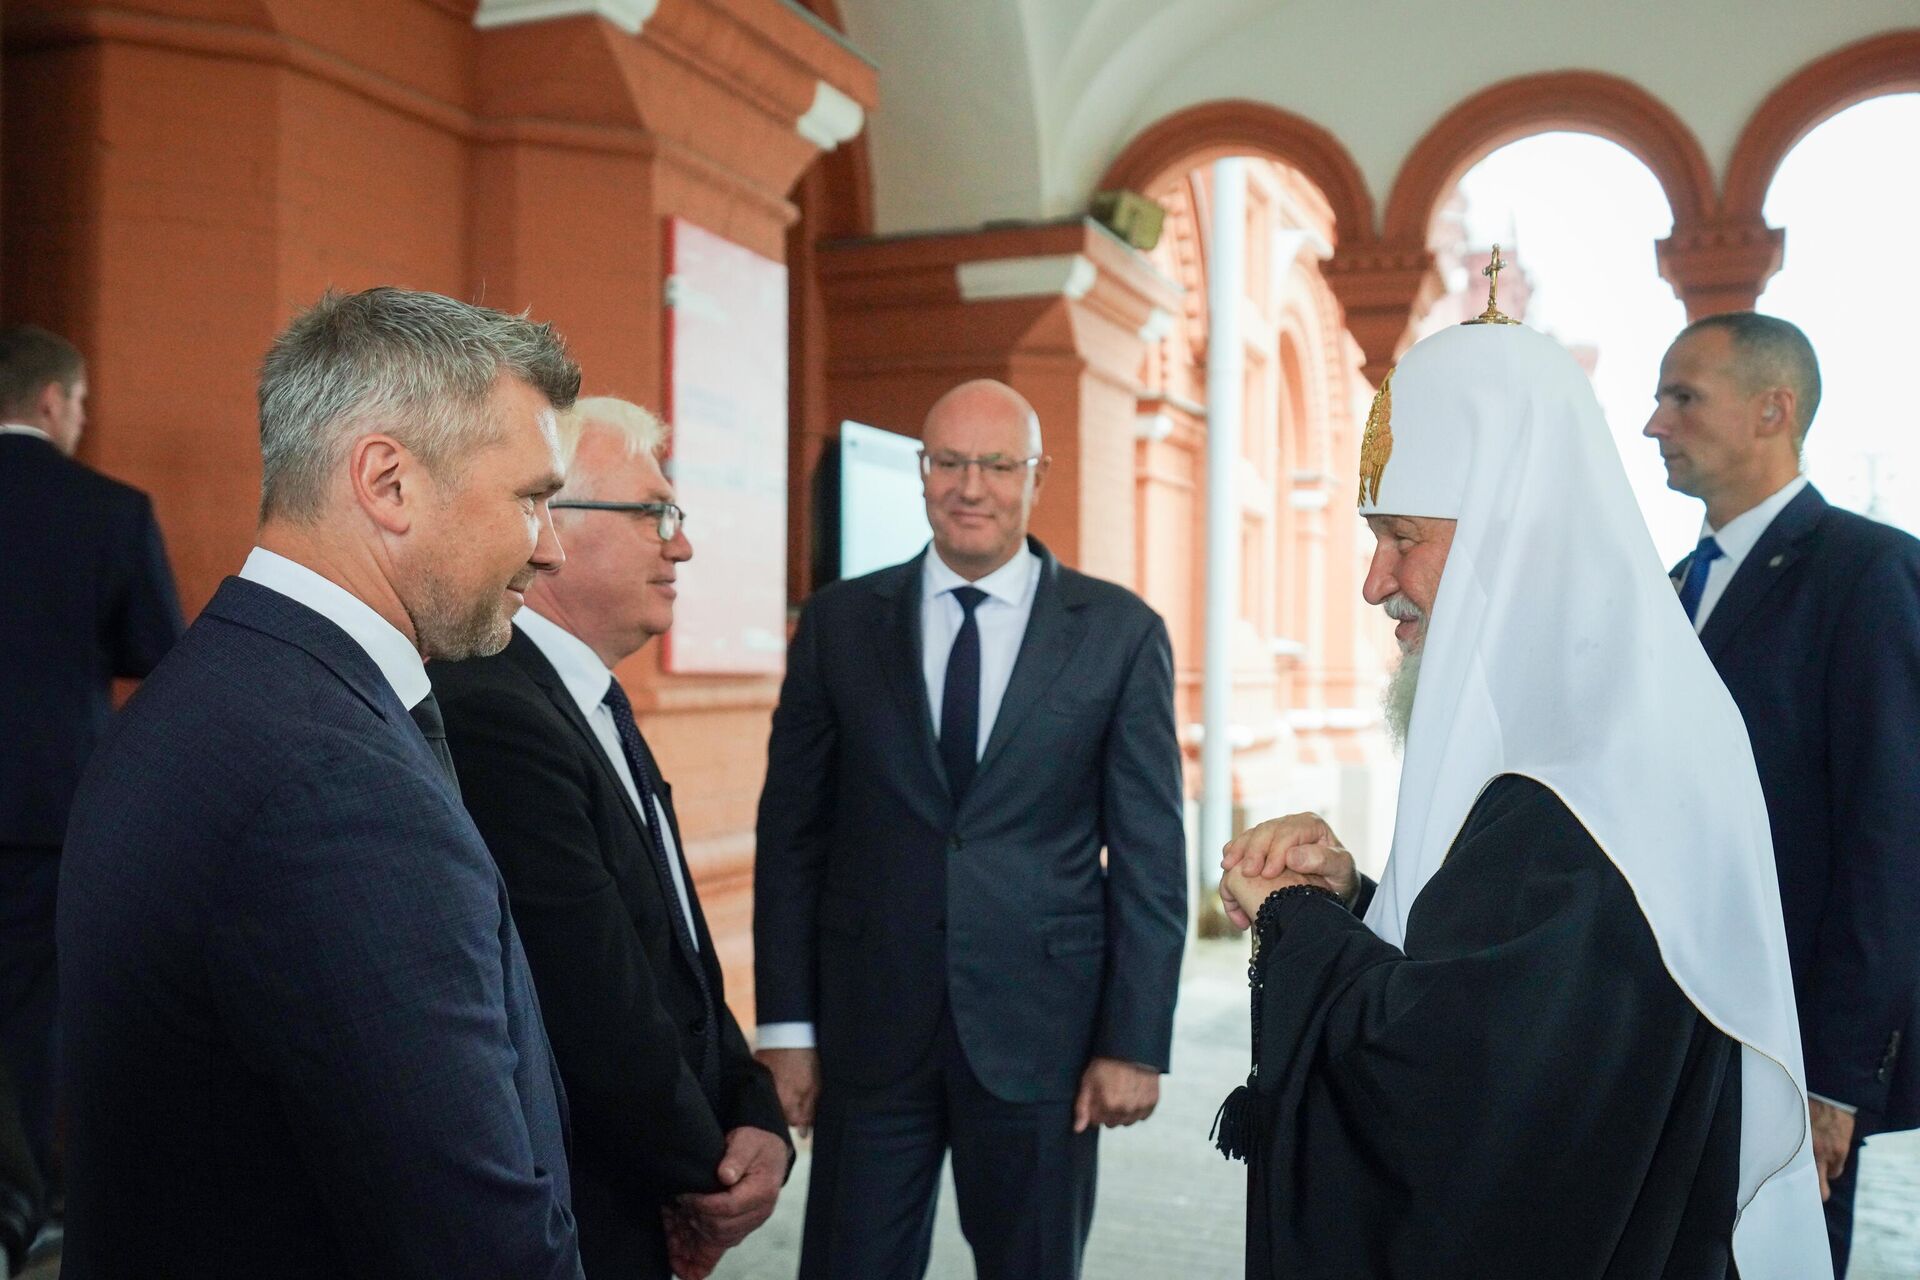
x=1784 y=542
x=1054 y=631
x=535 y=664
x=525 y=652
x=901 y=656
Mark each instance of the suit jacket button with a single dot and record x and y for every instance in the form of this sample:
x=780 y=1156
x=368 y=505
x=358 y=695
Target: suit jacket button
x=698 y=1027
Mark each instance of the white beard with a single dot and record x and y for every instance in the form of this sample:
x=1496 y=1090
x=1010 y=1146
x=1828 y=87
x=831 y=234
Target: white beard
x=1397 y=702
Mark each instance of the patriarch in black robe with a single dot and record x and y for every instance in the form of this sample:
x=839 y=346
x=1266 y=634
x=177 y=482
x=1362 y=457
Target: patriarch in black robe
x=1557 y=1040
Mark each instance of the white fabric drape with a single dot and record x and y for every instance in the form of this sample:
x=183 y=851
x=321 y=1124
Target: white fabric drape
x=1556 y=650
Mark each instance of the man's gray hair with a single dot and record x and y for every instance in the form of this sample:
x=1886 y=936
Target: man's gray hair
x=418 y=366
x=1771 y=352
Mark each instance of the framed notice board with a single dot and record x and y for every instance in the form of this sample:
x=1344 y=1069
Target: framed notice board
x=726 y=397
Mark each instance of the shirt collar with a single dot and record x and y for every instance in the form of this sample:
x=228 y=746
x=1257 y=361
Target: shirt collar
x=1010 y=584
x=391 y=651
x=586 y=677
x=1744 y=530
x=22 y=429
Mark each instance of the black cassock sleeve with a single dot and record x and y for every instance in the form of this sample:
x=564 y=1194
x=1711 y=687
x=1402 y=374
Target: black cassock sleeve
x=1524 y=1092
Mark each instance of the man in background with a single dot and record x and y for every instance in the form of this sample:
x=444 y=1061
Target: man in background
x=90 y=598
x=943 y=958
x=1811 y=615
x=680 y=1147
x=302 y=1040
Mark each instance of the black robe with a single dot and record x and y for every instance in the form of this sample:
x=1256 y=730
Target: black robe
x=1523 y=1094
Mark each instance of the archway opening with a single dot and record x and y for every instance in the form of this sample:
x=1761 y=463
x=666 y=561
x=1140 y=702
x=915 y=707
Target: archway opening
x=1851 y=273
x=1576 y=216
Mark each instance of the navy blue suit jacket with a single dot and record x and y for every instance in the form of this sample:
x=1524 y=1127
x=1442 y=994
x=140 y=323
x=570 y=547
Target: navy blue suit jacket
x=89 y=597
x=1818 y=640
x=877 y=900
x=301 y=1037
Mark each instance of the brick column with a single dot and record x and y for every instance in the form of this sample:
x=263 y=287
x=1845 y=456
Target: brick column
x=1382 y=286
x=1721 y=265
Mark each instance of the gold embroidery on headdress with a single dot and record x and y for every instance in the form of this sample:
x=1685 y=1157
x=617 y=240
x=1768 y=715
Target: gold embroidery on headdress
x=1377 y=445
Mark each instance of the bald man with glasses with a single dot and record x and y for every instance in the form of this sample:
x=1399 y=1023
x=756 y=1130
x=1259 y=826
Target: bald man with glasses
x=969 y=894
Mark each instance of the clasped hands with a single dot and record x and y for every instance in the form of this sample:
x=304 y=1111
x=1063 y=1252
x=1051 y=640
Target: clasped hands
x=701 y=1228
x=1297 y=849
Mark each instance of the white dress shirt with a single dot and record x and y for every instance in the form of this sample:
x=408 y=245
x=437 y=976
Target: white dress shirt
x=1737 y=542
x=391 y=651
x=22 y=429
x=586 y=678
x=1002 y=622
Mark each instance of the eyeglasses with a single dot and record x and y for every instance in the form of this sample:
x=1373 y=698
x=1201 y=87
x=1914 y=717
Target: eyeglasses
x=668 y=517
x=993 y=466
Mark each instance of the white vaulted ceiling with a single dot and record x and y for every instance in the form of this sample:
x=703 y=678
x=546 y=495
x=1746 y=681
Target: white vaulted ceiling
x=1011 y=109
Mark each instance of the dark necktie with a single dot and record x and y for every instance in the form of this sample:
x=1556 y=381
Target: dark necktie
x=960 y=699
x=426 y=714
x=640 y=762
x=1695 y=583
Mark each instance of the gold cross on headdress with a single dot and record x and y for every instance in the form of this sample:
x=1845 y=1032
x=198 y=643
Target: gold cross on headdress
x=1493 y=314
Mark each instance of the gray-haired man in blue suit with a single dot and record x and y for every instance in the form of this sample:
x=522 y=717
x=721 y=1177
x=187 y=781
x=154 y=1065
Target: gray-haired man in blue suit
x=301 y=1035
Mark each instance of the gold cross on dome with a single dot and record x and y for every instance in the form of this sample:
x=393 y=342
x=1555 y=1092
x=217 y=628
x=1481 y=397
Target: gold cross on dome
x=1493 y=314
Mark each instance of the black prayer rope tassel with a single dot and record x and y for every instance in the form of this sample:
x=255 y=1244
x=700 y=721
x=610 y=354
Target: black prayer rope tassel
x=1233 y=1125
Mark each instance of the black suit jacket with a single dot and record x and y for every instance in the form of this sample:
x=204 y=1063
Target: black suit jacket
x=300 y=1035
x=89 y=597
x=616 y=984
x=876 y=900
x=1818 y=639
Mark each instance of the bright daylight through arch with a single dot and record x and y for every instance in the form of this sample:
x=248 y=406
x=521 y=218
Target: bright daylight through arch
x=1580 y=216
x=1846 y=196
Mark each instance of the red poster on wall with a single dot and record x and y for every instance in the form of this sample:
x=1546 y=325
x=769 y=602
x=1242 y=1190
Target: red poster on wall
x=726 y=397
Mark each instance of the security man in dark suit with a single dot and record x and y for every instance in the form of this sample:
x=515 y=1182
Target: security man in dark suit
x=90 y=598
x=970 y=886
x=1811 y=615
x=302 y=1040
x=681 y=1148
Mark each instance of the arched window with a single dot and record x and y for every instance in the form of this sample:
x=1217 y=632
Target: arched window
x=1576 y=217
x=1851 y=275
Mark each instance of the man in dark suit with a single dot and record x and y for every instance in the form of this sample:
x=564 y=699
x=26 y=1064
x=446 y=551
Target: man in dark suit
x=1811 y=615
x=944 y=959
x=682 y=1150
x=90 y=599
x=302 y=1040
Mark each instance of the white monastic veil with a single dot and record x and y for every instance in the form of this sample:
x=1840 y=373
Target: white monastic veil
x=1556 y=650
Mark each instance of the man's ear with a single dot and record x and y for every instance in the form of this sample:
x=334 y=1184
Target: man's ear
x=1778 y=406
x=1040 y=472
x=386 y=479
x=51 y=402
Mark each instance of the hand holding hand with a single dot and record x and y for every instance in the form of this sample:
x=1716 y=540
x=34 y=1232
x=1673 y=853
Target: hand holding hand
x=1297 y=849
x=796 y=1079
x=1832 y=1140
x=1113 y=1092
x=751 y=1170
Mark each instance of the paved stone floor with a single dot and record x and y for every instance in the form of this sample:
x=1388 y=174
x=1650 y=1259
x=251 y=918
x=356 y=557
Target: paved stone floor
x=1171 y=1209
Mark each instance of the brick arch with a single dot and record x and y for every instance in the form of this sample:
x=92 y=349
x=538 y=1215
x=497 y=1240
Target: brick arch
x=1211 y=131
x=1577 y=101
x=1822 y=89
